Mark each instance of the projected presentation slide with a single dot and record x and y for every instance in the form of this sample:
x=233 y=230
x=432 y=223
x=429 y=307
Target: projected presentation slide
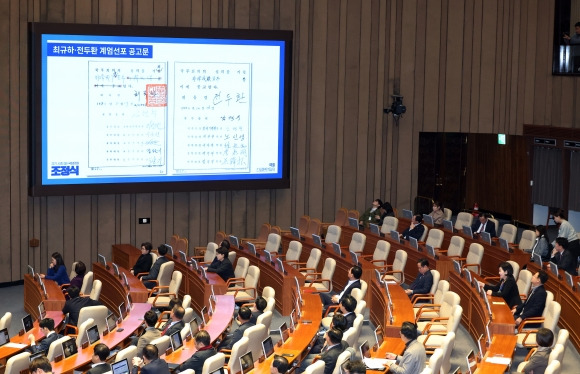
x=120 y=109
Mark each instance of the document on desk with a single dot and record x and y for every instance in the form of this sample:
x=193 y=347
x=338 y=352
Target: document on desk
x=498 y=303
x=500 y=360
x=391 y=282
x=15 y=345
x=377 y=363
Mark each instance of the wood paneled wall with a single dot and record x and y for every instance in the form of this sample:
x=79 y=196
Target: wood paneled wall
x=480 y=66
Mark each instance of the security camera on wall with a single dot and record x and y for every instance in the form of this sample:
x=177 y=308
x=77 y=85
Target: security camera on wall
x=397 y=108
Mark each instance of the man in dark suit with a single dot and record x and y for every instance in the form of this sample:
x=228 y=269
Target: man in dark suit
x=258 y=309
x=416 y=229
x=564 y=258
x=100 y=354
x=222 y=265
x=244 y=320
x=333 y=298
x=280 y=365
x=334 y=347
x=204 y=351
x=484 y=224
x=151 y=363
x=154 y=271
x=73 y=306
x=424 y=281
x=47 y=328
x=536 y=301
x=177 y=323
x=347 y=307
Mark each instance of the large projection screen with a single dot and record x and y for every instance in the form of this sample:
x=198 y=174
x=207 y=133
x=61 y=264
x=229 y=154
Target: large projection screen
x=127 y=109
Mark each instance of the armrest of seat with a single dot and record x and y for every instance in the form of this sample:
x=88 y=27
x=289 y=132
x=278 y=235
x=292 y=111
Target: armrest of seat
x=478 y=267
x=307 y=269
x=390 y=272
x=196 y=258
x=163 y=317
x=312 y=275
x=331 y=309
x=530 y=353
x=427 y=329
x=244 y=289
x=427 y=308
x=524 y=341
x=163 y=295
x=141 y=274
x=430 y=334
x=249 y=305
x=156 y=288
x=64 y=286
x=422 y=296
x=74 y=328
x=529 y=321
x=491 y=278
x=235 y=281
x=442 y=250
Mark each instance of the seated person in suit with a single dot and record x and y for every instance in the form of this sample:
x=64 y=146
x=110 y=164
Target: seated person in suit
x=176 y=323
x=204 y=350
x=40 y=365
x=333 y=348
x=416 y=229
x=355 y=367
x=279 y=365
x=100 y=354
x=47 y=328
x=73 y=306
x=347 y=307
x=536 y=301
x=538 y=362
x=338 y=322
x=333 y=298
x=484 y=224
x=150 y=363
x=372 y=214
x=414 y=357
x=154 y=271
x=223 y=267
x=541 y=246
x=564 y=258
x=56 y=270
x=173 y=302
x=144 y=262
x=80 y=269
x=507 y=287
x=258 y=309
x=424 y=281
x=151 y=333
x=244 y=321
x=437 y=213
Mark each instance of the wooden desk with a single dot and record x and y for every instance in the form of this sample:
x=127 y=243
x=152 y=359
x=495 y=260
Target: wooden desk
x=271 y=276
x=200 y=290
x=224 y=310
x=493 y=255
x=568 y=299
x=502 y=346
x=125 y=255
x=299 y=341
x=475 y=315
x=114 y=291
x=131 y=323
x=390 y=345
x=402 y=308
x=33 y=296
x=6 y=352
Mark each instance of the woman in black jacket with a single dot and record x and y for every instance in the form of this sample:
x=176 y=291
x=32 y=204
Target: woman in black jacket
x=144 y=262
x=507 y=287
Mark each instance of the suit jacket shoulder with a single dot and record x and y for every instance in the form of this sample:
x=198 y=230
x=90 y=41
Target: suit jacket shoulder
x=330 y=356
x=196 y=361
x=146 y=338
x=158 y=366
x=100 y=369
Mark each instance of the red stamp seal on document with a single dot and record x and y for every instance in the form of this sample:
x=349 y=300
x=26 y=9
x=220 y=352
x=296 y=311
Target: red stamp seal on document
x=156 y=95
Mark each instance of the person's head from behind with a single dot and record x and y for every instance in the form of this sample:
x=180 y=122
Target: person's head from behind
x=222 y=253
x=355 y=272
x=80 y=269
x=174 y=301
x=202 y=339
x=162 y=249
x=338 y=322
x=505 y=270
x=40 y=365
x=561 y=244
x=355 y=367
x=333 y=336
x=150 y=318
x=261 y=304
x=544 y=337
x=279 y=365
x=56 y=260
x=100 y=353
x=46 y=325
x=245 y=314
x=146 y=248
x=348 y=303
x=73 y=292
x=150 y=353
x=408 y=331
x=177 y=313
x=225 y=243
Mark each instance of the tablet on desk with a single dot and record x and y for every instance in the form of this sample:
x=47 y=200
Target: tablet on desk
x=295 y=232
x=430 y=250
x=554 y=269
x=284 y=334
x=428 y=220
x=102 y=259
x=115 y=269
x=336 y=248
x=395 y=236
x=268 y=347
x=41 y=311
x=503 y=243
x=413 y=242
x=234 y=241
x=448 y=225
x=538 y=260
x=247 y=362
x=120 y=367
x=252 y=248
x=485 y=237
x=93 y=334
x=353 y=222
x=176 y=341
x=379 y=335
x=467 y=231
x=4 y=337
x=471 y=362
x=27 y=323
x=69 y=348
x=353 y=257
x=183 y=257
x=111 y=322
x=375 y=229
x=317 y=240
x=408 y=214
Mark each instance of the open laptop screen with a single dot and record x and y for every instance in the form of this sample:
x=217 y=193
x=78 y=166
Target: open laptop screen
x=4 y=337
x=120 y=367
x=364 y=349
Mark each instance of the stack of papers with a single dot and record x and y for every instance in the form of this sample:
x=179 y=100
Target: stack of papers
x=15 y=345
x=499 y=360
x=377 y=363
